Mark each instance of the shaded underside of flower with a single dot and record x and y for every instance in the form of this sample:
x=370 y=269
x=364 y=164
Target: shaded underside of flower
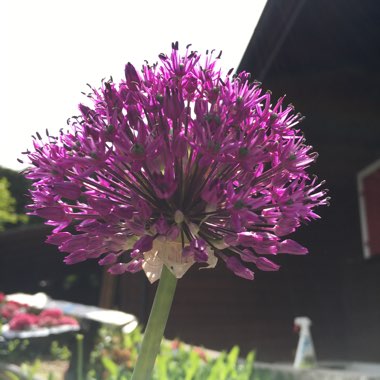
x=175 y=165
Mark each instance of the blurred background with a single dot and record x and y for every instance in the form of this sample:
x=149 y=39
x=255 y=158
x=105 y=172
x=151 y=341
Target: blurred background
x=323 y=54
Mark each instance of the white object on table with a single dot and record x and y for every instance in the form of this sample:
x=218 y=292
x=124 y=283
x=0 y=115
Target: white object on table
x=305 y=354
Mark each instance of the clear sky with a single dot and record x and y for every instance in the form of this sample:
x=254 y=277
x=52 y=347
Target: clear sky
x=51 y=49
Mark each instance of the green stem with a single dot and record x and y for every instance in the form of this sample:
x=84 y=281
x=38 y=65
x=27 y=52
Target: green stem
x=80 y=356
x=156 y=325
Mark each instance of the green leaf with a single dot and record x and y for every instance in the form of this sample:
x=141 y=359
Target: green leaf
x=219 y=370
x=110 y=366
x=232 y=360
x=246 y=370
x=192 y=367
x=162 y=366
x=9 y=375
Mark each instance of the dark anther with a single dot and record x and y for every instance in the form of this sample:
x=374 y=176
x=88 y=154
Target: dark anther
x=273 y=116
x=243 y=151
x=239 y=205
x=138 y=149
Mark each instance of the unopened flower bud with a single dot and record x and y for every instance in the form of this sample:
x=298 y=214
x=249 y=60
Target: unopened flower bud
x=132 y=78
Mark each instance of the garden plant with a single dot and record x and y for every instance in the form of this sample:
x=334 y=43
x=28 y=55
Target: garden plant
x=177 y=165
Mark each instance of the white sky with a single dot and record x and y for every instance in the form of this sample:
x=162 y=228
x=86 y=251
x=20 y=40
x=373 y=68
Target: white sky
x=51 y=49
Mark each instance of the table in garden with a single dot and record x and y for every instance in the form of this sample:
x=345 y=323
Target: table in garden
x=90 y=319
x=83 y=312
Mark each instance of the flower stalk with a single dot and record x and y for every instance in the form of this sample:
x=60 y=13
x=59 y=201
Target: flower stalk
x=79 y=338
x=156 y=325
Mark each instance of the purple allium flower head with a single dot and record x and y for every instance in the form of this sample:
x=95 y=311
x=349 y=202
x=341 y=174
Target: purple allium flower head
x=177 y=164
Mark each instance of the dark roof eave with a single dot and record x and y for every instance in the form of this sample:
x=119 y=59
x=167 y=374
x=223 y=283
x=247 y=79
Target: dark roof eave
x=274 y=25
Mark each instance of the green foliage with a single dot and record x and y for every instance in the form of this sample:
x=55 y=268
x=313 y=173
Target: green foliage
x=13 y=349
x=110 y=366
x=8 y=206
x=117 y=353
x=59 y=352
x=10 y=375
x=18 y=187
x=29 y=370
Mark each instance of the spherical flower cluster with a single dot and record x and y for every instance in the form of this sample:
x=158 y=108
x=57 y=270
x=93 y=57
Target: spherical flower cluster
x=175 y=165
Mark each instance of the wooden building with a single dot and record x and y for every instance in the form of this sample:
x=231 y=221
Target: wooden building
x=325 y=55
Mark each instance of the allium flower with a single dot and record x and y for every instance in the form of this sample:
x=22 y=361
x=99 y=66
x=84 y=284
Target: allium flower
x=175 y=165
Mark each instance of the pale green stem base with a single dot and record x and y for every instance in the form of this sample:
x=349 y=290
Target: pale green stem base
x=79 y=338
x=156 y=325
